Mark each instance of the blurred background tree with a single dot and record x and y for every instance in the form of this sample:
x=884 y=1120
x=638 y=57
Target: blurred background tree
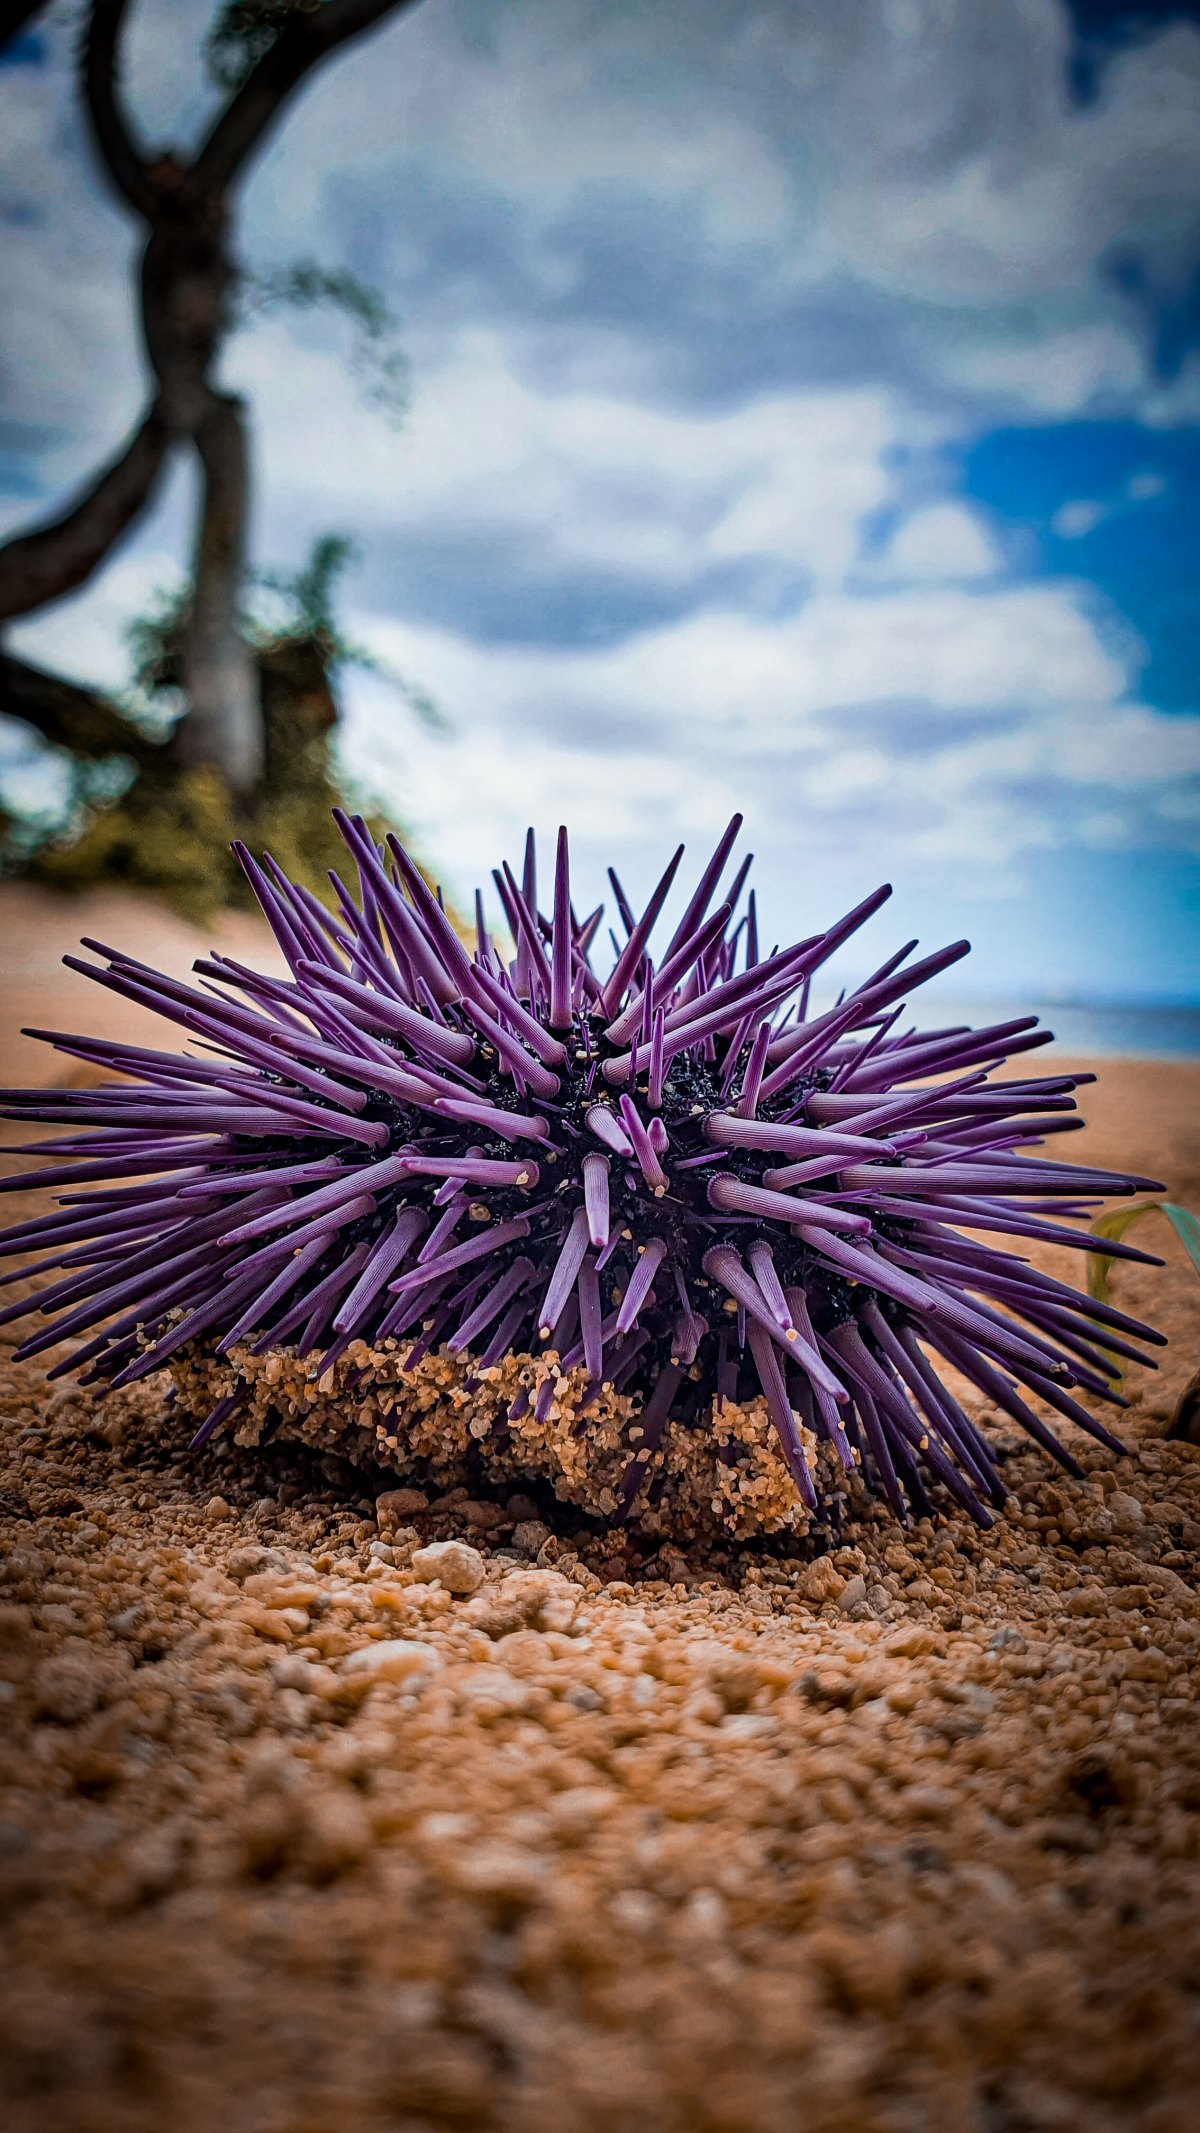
x=227 y=727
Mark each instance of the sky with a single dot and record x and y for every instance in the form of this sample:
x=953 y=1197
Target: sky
x=804 y=419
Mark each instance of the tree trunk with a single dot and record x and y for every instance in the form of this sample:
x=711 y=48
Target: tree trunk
x=223 y=727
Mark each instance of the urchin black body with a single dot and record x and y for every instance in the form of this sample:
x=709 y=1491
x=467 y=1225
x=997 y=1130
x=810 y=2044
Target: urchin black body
x=677 y=1179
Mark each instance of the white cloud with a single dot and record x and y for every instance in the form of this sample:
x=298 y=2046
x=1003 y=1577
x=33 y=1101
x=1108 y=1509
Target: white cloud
x=601 y=481
x=1049 y=370
x=1082 y=515
x=940 y=543
x=948 y=649
x=988 y=725
x=1073 y=521
x=927 y=152
x=1005 y=188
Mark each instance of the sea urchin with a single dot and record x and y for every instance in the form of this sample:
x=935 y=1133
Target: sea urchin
x=666 y=1213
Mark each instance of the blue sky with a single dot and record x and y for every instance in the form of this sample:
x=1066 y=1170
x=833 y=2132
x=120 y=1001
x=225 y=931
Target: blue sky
x=805 y=417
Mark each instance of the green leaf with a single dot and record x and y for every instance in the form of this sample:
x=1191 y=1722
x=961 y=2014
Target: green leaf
x=305 y=285
x=1118 y=1219
x=1187 y=1228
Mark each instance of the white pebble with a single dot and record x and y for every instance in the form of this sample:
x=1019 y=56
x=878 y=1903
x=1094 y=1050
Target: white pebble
x=457 y=1567
x=392 y=1659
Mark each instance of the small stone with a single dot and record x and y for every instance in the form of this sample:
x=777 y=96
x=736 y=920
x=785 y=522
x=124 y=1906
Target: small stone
x=457 y=1566
x=66 y=1689
x=268 y=1832
x=636 y=1910
x=830 y=1687
x=819 y=1582
x=395 y=1505
x=852 y=1595
x=582 y=1806
x=438 y=1829
x=1098 y=1529
x=1007 y=1639
x=903 y=1696
x=16 y=1628
x=152 y=1866
x=337 y=1832
x=526 y=1599
x=500 y=1870
x=392 y=1659
x=912 y=1642
x=216 y=1509
x=1085 y=1600
x=706 y=1915
x=749 y=1725
x=277 y=1624
x=930 y=1803
x=483 y=1517
x=1125 y=1512
x=492 y=1692
x=584 y=1698
x=530 y=1536
x=545 y=1598
x=297 y=1673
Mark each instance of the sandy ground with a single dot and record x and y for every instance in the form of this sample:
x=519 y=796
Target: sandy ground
x=37 y=928
x=306 y=1830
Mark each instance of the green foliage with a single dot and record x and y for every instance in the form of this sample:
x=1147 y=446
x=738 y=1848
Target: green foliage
x=167 y=830
x=310 y=594
x=308 y=617
x=155 y=642
x=304 y=285
x=1114 y=1224
x=169 y=835
x=1118 y=1219
x=292 y=607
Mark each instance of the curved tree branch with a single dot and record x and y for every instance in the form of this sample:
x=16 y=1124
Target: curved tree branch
x=110 y=130
x=67 y=714
x=53 y=559
x=307 y=40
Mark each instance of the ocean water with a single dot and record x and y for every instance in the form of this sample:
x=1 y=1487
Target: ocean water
x=1096 y=1029
x=1122 y=1031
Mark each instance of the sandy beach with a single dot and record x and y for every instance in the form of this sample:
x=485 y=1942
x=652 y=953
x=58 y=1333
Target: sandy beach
x=308 y=1822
